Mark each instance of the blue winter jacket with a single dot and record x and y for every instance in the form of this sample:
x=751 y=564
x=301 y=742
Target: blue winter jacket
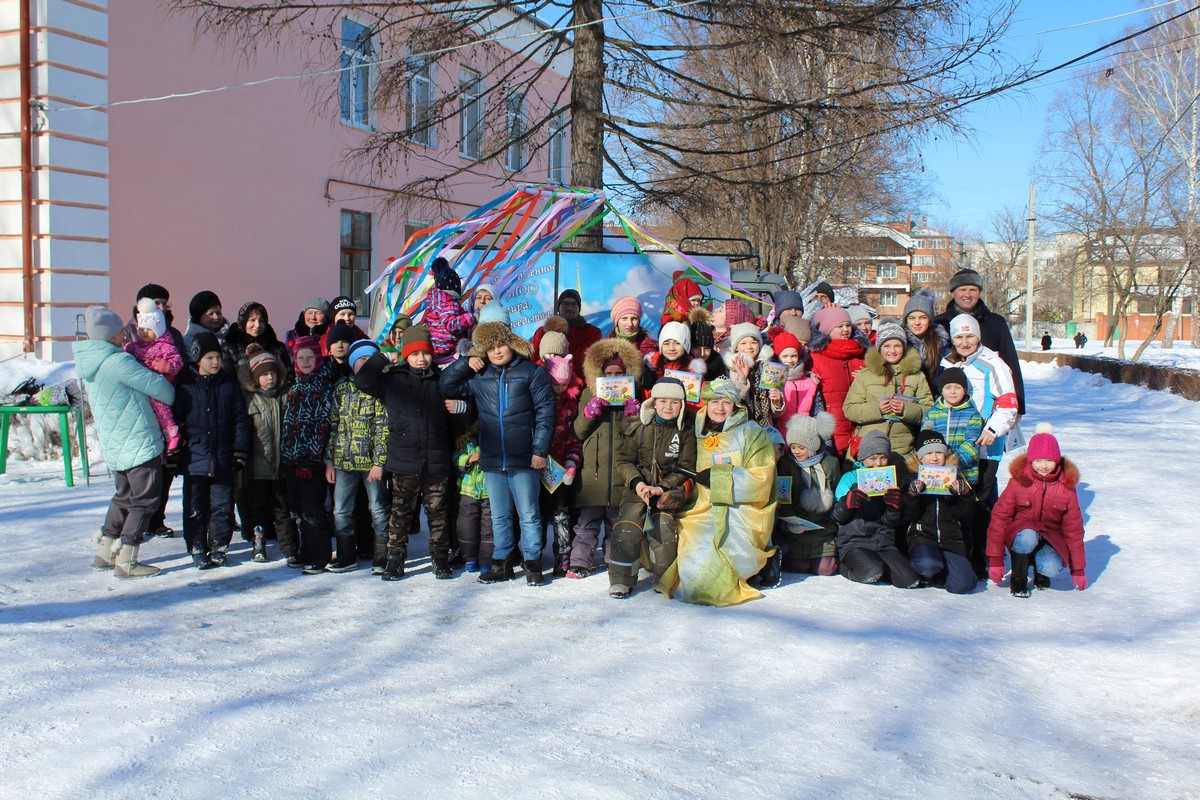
x=211 y=415
x=516 y=409
x=119 y=391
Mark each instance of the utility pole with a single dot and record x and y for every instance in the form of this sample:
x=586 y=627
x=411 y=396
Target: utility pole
x=1029 y=276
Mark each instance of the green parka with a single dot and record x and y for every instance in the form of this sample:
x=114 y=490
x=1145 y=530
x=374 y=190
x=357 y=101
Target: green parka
x=878 y=380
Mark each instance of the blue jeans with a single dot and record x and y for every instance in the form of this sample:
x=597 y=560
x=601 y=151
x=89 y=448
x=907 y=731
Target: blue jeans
x=345 y=497
x=1045 y=559
x=519 y=486
x=929 y=561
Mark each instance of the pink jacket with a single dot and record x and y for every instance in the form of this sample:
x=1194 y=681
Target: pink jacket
x=1049 y=506
x=447 y=322
x=798 y=397
x=159 y=356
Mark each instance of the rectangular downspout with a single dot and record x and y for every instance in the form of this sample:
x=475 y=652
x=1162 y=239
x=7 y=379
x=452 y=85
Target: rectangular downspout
x=26 y=174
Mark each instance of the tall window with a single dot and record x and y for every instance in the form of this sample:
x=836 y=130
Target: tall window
x=514 y=118
x=418 y=102
x=887 y=298
x=887 y=271
x=355 y=271
x=470 y=113
x=355 y=77
x=558 y=172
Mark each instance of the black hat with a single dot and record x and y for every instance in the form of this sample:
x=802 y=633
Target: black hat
x=341 y=303
x=340 y=332
x=154 y=291
x=249 y=308
x=954 y=375
x=966 y=277
x=202 y=302
x=205 y=342
x=444 y=276
x=824 y=288
x=930 y=441
x=564 y=294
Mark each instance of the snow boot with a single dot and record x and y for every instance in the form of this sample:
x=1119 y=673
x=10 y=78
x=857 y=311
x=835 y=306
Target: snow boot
x=394 y=569
x=379 y=561
x=347 y=555
x=619 y=591
x=1019 y=587
x=441 y=567
x=126 y=564
x=106 y=552
x=770 y=576
x=294 y=562
x=1040 y=581
x=533 y=573
x=500 y=571
x=216 y=558
x=562 y=563
x=260 y=545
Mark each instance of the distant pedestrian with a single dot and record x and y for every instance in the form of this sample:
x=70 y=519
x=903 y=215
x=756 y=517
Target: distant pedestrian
x=1080 y=340
x=1046 y=340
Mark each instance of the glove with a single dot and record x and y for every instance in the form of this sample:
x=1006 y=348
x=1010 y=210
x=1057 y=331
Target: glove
x=856 y=499
x=916 y=487
x=892 y=499
x=632 y=407
x=569 y=476
x=673 y=499
x=239 y=461
x=996 y=574
x=1080 y=582
x=960 y=486
x=594 y=408
x=704 y=478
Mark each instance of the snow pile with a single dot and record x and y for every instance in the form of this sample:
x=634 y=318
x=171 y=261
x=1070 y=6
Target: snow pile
x=1181 y=356
x=256 y=681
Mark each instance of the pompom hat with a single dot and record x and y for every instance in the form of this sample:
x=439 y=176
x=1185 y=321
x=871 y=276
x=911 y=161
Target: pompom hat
x=1043 y=445
x=625 y=305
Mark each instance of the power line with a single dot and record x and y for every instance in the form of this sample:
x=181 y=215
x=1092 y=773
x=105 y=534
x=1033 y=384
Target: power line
x=1107 y=19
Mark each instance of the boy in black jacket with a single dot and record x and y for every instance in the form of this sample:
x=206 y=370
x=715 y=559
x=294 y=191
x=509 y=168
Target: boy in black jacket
x=939 y=525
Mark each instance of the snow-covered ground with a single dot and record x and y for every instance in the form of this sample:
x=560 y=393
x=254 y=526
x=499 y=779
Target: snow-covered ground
x=1181 y=356
x=256 y=681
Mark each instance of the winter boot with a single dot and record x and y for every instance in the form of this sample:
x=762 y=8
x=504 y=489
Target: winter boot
x=1040 y=581
x=1019 y=587
x=562 y=563
x=126 y=564
x=618 y=591
x=500 y=571
x=106 y=552
x=347 y=555
x=260 y=545
x=216 y=558
x=380 y=558
x=533 y=573
x=393 y=570
x=161 y=532
x=441 y=567
x=770 y=575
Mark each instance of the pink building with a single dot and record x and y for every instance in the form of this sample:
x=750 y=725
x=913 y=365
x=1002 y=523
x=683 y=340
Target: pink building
x=247 y=192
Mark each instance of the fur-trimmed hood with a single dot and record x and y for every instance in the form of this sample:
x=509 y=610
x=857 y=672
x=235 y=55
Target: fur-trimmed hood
x=909 y=364
x=603 y=350
x=1021 y=471
x=913 y=463
x=493 y=334
x=765 y=353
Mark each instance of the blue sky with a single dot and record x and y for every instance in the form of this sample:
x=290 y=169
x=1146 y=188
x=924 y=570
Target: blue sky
x=973 y=178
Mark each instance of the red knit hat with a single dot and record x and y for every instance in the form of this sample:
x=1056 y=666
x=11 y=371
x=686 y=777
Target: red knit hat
x=312 y=343
x=1043 y=445
x=415 y=340
x=786 y=341
x=737 y=312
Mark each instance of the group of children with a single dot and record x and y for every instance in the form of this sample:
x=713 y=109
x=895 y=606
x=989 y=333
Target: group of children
x=498 y=438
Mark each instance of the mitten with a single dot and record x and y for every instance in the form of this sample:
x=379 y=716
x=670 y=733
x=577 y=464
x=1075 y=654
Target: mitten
x=1080 y=582
x=857 y=498
x=632 y=407
x=594 y=408
x=569 y=476
x=892 y=499
x=916 y=487
x=960 y=486
x=996 y=574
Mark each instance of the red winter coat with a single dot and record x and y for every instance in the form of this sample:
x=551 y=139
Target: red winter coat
x=1047 y=505
x=579 y=339
x=565 y=446
x=835 y=361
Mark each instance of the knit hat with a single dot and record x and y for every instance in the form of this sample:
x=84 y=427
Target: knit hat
x=201 y=302
x=921 y=301
x=964 y=323
x=677 y=331
x=668 y=389
x=721 y=387
x=150 y=318
x=261 y=360
x=363 y=348
x=444 y=276
x=154 y=291
x=875 y=443
x=310 y=343
x=568 y=293
x=829 y=318
x=554 y=337
x=787 y=300
x=614 y=360
x=930 y=441
x=786 y=341
x=204 y=343
x=340 y=332
x=810 y=432
x=319 y=303
x=859 y=313
x=101 y=323
x=558 y=368
x=489 y=288
x=824 y=288
x=953 y=375
x=249 y=308
x=1043 y=445
x=966 y=277
x=744 y=330
x=403 y=322
x=737 y=312
x=623 y=306
x=798 y=327
x=342 y=303
x=890 y=331
x=701 y=329
x=416 y=340
x=494 y=312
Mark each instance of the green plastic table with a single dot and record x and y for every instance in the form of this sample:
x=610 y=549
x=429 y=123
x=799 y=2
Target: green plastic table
x=64 y=427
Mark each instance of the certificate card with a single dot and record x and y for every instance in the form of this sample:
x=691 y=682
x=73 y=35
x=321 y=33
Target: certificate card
x=552 y=475
x=774 y=375
x=937 y=480
x=692 y=382
x=615 y=390
x=800 y=525
x=785 y=489
x=731 y=457
x=903 y=398
x=875 y=482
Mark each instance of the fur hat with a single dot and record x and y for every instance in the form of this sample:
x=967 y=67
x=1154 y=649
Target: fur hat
x=415 y=340
x=204 y=343
x=701 y=328
x=494 y=312
x=786 y=341
x=261 y=361
x=737 y=312
x=964 y=323
x=829 y=318
x=875 y=443
x=678 y=332
x=340 y=332
x=798 y=327
x=201 y=302
x=721 y=387
x=953 y=375
x=444 y=276
x=150 y=318
x=623 y=306
x=966 y=277
x=787 y=300
x=921 y=301
x=1043 y=445
x=494 y=334
x=101 y=323
x=890 y=331
x=859 y=313
x=810 y=432
x=744 y=330
x=559 y=368
x=930 y=441
x=363 y=348
x=554 y=340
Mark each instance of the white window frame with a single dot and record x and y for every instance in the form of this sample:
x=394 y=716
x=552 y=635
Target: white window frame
x=924 y=261
x=558 y=170
x=418 y=101
x=887 y=271
x=470 y=113
x=888 y=298
x=514 y=126
x=357 y=79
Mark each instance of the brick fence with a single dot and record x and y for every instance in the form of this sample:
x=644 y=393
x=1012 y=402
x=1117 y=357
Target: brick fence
x=1183 y=382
